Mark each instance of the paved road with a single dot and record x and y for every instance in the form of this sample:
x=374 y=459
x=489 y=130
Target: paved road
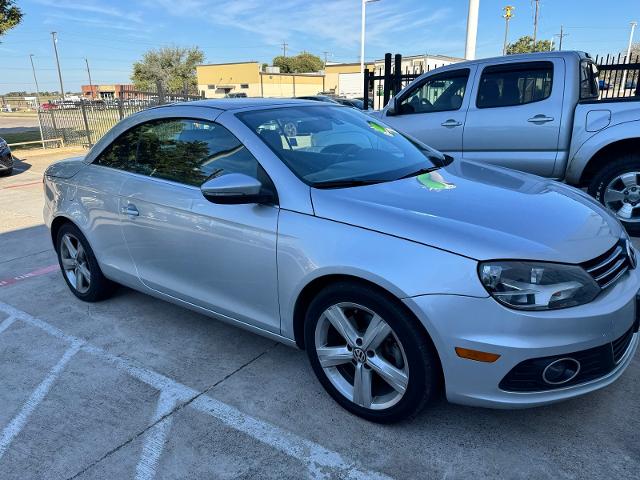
x=17 y=124
x=137 y=388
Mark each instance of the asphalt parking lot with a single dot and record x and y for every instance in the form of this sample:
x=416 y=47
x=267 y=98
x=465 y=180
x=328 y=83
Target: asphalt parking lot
x=134 y=387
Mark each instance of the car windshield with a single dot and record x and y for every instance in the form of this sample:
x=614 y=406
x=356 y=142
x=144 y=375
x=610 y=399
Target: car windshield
x=331 y=146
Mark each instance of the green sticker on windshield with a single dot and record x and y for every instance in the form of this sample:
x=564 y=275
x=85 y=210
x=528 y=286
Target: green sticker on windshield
x=384 y=130
x=434 y=181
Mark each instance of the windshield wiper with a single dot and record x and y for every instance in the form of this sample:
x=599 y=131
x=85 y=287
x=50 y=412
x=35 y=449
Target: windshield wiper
x=420 y=172
x=346 y=183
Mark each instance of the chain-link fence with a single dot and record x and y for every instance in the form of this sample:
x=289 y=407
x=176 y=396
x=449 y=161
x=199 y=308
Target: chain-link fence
x=84 y=122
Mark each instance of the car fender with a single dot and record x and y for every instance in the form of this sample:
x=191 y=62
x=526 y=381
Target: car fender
x=402 y=267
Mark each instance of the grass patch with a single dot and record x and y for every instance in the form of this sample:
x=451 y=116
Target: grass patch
x=28 y=136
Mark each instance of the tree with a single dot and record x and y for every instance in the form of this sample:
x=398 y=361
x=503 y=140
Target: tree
x=525 y=45
x=174 y=68
x=10 y=15
x=304 y=62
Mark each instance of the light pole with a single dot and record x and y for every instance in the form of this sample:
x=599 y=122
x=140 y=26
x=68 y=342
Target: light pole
x=508 y=14
x=364 y=21
x=55 y=49
x=86 y=61
x=472 y=30
x=624 y=72
x=35 y=79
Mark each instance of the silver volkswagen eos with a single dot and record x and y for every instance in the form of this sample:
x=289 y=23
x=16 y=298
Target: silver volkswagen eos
x=402 y=273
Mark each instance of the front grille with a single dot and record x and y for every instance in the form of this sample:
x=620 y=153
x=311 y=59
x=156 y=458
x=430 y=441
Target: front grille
x=609 y=267
x=620 y=345
x=594 y=363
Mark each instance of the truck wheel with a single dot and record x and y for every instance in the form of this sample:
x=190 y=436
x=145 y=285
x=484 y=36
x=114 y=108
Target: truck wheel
x=617 y=187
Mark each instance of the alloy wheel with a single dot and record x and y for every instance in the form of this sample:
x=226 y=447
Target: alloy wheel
x=622 y=197
x=361 y=356
x=75 y=263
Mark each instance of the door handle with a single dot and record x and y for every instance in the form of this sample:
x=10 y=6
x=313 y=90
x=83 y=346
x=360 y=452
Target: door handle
x=541 y=118
x=130 y=210
x=451 y=123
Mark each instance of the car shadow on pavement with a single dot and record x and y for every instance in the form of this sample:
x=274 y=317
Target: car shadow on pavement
x=20 y=166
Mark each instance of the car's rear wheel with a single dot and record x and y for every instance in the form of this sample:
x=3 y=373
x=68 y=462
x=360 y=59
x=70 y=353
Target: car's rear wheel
x=79 y=266
x=617 y=187
x=369 y=353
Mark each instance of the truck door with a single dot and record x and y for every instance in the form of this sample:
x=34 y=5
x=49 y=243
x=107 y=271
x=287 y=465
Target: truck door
x=434 y=110
x=515 y=116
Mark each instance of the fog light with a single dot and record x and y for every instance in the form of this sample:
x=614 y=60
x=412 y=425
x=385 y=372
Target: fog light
x=561 y=371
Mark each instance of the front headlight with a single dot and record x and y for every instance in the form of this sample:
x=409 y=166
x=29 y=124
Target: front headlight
x=537 y=285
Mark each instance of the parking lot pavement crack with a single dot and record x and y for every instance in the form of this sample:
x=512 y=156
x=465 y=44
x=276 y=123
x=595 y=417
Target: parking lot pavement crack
x=159 y=427
x=25 y=256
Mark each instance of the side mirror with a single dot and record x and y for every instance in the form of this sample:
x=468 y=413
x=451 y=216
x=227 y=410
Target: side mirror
x=391 y=110
x=235 y=189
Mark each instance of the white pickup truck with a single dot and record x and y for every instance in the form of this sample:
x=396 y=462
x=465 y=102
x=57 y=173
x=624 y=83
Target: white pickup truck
x=539 y=113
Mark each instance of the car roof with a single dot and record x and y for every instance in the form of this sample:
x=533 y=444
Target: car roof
x=243 y=103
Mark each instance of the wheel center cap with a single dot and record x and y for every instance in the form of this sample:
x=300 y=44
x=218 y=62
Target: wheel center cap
x=359 y=355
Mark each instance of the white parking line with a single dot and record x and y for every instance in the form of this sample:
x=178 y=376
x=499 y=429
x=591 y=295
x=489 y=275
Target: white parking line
x=6 y=323
x=320 y=462
x=15 y=426
x=156 y=437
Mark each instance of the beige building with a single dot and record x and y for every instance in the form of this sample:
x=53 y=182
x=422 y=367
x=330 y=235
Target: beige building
x=342 y=79
x=222 y=79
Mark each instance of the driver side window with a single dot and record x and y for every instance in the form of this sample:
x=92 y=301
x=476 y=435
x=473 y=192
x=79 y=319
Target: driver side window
x=439 y=93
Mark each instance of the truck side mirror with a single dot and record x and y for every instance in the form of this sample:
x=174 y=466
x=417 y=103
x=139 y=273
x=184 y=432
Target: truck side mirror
x=390 y=111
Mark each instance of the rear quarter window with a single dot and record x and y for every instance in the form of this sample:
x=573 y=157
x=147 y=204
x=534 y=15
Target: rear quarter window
x=515 y=84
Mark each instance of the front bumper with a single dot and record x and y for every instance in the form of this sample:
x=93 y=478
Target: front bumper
x=485 y=325
x=6 y=159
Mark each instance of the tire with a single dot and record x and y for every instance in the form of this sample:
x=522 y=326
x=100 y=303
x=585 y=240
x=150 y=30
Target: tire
x=6 y=173
x=405 y=346
x=607 y=185
x=93 y=286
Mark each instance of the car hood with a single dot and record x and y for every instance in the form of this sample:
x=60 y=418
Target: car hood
x=482 y=212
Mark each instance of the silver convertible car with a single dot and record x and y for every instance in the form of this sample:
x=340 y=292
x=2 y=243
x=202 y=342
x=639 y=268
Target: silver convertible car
x=402 y=273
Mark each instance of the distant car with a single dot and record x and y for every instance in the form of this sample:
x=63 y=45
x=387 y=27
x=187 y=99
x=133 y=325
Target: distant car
x=318 y=98
x=48 y=106
x=351 y=102
x=6 y=158
x=603 y=85
x=369 y=101
x=236 y=95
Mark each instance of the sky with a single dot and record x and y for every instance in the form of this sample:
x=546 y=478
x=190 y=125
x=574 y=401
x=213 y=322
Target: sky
x=112 y=34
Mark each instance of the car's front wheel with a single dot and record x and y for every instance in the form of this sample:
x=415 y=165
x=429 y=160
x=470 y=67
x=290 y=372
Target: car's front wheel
x=369 y=353
x=79 y=266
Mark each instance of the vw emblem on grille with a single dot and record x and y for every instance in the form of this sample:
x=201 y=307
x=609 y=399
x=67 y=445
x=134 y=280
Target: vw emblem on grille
x=631 y=254
x=359 y=355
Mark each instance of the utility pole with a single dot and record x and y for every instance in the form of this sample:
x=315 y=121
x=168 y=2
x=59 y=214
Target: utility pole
x=508 y=15
x=284 y=48
x=35 y=79
x=535 y=24
x=55 y=49
x=561 y=35
x=472 y=30
x=326 y=55
x=628 y=59
x=89 y=73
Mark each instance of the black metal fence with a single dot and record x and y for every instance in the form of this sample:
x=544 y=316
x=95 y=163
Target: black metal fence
x=84 y=122
x=385 y=81
x=618 y=76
